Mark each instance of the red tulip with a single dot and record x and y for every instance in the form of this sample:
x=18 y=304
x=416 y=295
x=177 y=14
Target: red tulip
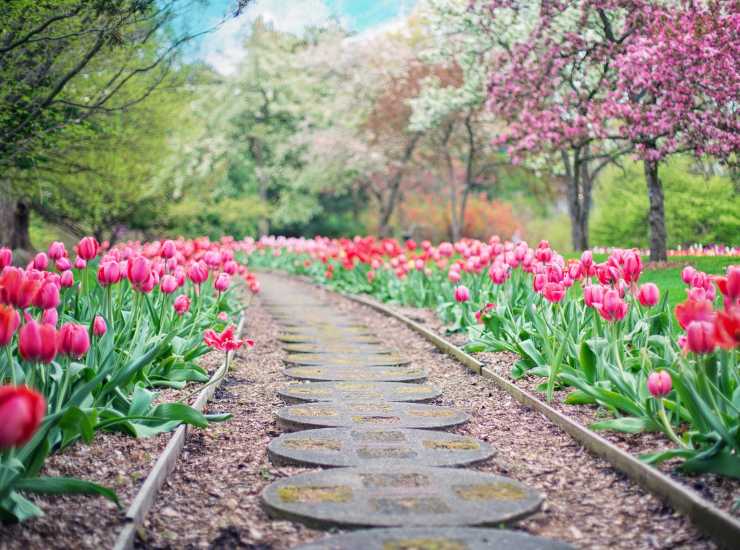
x=727 y=328
x=22 y=410
x=700 y=337
x=99 y=326
x=182 y=304
x=6 y=257
x=694 y=310
x=462 y=294
x=88 y=248
x=9 y=321
x=659 y=383
x=37 y=342
x=17 y=288
x=73 y=340
x=109 y=273
x=648 y=295
x=224 y=341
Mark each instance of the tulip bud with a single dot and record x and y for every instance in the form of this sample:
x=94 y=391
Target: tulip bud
x=37 y=342
x=648 y=295
x=73 y=340
x=88 y=248
x=63 y=264
x=462 y=294
x=9 y=321
x=659 y=383
x=198 y=273
x=538 y=282
x=139 y=271
x=80 y=263
x=687 y=275
x=99 y=326
x=22 y=410
x=109 y=273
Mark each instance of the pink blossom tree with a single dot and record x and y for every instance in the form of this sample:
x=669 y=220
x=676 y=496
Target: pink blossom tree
x=676 y=90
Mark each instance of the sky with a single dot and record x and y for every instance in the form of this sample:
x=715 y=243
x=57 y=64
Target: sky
x=223 y=48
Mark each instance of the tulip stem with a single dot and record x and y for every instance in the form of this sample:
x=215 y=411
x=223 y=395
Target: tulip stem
x=667 y=426
x=11 y=366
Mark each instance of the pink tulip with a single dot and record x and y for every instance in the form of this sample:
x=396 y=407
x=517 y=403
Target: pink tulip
x=99 y=326
x=687 y=275
x=587 y=261
x=168 y=284
x=47 y=296
x=80 y=263
x=182 y=304
x=63 y=264
x=553 y=292
x=73 y=340
x=222 y=282
x=57 y=251
x=462 y=294
x=67 y=279
x=453 y=275
x=593 y=295
x=498 y=274
x=41 y=261
x=659 y=383
x=50 y=317
x=613 y=308
x=37 y=342
x=109 y=273
x=168 y=250
x=700 y=337
x=538 y=282
x=198 y=273
x=88 y=248
x=6 y=257
x=139 y=271
x=648 y=295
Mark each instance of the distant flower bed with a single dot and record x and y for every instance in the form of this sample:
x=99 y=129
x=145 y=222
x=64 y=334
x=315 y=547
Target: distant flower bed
x=584 y=326
x=87 y=339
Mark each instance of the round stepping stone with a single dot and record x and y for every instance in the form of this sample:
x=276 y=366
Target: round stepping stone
x=320 y=339
x=345 y=359
x=373 y=374
x=440 y=538
x=364 y=414
x=358 y=391
x=393 y=496
x=332 y=447
x=335 y=347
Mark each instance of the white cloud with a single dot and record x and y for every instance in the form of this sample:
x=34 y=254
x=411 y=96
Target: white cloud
x=224 y=49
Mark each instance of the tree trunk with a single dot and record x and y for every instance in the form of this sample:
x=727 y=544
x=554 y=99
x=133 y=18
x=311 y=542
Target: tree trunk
x=15 y=221
x=394 y=186
x=579 y=183
x=656 y=214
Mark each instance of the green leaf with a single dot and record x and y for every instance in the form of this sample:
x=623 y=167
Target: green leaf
x=181 y=412
x=587 y=361
x=723 y=463
x=579 y=397
x=627 y=424
x=65 y=486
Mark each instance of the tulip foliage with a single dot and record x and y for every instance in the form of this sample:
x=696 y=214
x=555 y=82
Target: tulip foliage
x=86 y=342
x=586 y=328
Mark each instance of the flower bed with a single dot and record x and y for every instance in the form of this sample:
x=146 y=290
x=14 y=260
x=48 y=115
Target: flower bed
x=89 y=341
x=586 y=328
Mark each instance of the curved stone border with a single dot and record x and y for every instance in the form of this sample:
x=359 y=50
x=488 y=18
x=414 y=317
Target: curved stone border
x=344 y=447
x=399 y=496
x=301 y=392
x=713 y=522
x=166 y=462
x=468 y=538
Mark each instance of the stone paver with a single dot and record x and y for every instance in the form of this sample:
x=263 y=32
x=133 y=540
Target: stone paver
x=443 y=538
x=368 y=414
x=377 y=374
x=332 y=447
x=358 y=391
x=346 y=359
x=400 y=496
